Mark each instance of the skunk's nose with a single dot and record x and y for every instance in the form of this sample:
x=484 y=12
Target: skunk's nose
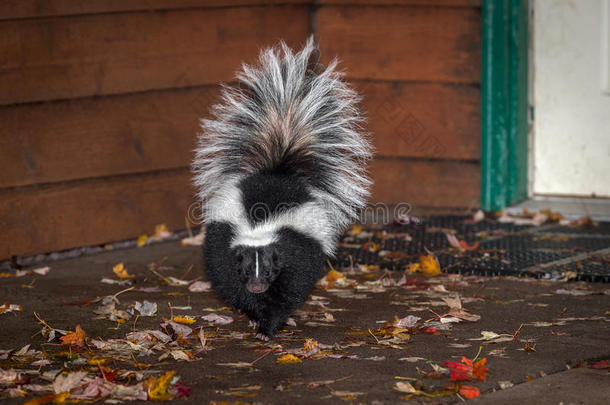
x=256 y=287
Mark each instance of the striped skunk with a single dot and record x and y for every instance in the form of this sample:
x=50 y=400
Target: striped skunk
x=281 y=173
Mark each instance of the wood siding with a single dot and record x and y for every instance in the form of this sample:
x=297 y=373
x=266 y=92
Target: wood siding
x=100 y=101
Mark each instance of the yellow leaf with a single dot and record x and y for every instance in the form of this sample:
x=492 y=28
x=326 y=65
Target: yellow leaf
x=412 y=268
x=161 y=231
x=185 y=319
x=61 y=398
x=58 y=399
x=430 y=266
x=356 y=230
x=157 y=386
x=121 y=271
x=334 y=275
x=75 y=338
x=142 y=240
x=288 y=359
x=97 y=361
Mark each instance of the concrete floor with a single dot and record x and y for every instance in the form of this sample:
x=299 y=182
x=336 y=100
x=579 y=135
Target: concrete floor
x=565 y=325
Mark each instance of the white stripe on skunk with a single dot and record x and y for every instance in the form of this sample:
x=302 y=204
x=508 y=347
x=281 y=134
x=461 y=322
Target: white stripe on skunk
x=311 y=219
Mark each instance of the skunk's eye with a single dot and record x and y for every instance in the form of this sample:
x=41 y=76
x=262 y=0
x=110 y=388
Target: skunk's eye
x=239 y=258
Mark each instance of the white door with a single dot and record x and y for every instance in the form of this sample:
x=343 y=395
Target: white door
x=571 y=84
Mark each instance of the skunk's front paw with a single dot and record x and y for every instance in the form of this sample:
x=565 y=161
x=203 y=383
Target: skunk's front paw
x=263 y=337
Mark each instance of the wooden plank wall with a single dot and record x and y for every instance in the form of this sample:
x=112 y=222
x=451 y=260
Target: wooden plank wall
x=417 y=64
x=99 y=103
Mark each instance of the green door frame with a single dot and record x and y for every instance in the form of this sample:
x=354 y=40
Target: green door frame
x=504 y=103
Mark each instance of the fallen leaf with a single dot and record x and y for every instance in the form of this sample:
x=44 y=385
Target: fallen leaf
x=6 y=308
x=121 y=271
x=149 y=336
x=196 y=240
x=161 y=231
x=107 y=280
x=406 y=322
x=469 y=391
x=217 y=319
x=176 y=282
x=239 y=364
x=178 y=328
x=505 y=384
x=430 y=266
x=200 y=286
x=467 y=370
x=288 y=359
x=146 y=308
x=493 y=337
x=96 y=388
x=602 y=364
x=412 y=268
x=413 y=359
x=142 y=239
x=184 y=319
x=575 y=292
x=347 y=394
x=479 y=370
x=454 y=303
x=310 y=347
x=334 y=275
x=74 y=338
x=157 y=386
x=67 y=382
x=406 y=387
x=459 y=371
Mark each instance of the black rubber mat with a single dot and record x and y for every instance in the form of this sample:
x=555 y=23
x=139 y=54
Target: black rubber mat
x=550 y=251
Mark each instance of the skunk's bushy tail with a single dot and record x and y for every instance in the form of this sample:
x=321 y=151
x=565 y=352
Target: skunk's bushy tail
x=285 y=116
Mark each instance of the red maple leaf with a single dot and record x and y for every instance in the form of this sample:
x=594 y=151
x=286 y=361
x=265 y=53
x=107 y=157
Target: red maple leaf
x=467 y=370
x=459 y=371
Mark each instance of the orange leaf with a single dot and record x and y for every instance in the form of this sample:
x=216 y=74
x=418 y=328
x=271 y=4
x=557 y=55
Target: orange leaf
x=479 y=370
x=185 y=319
x=75 y=338
x=465 y=246
x=469 y=391
x=288 y=359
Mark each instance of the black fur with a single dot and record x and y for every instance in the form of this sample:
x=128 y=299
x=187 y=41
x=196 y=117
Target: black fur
x=299 y=265
x=268 y=194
